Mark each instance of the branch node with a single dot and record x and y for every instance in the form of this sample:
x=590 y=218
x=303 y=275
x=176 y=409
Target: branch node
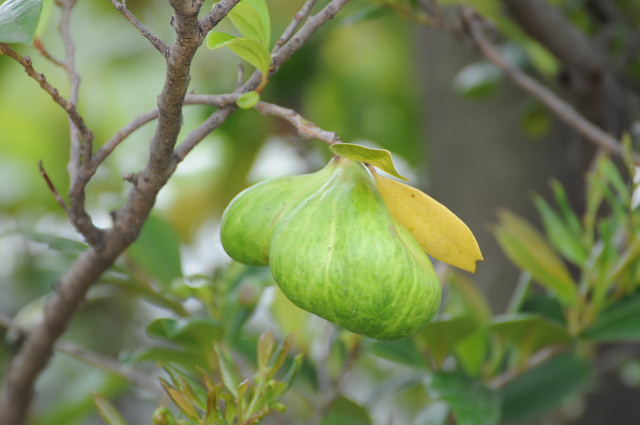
x=52 y=187
x=131 y=178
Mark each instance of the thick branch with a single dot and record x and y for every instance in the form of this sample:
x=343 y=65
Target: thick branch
x=589 y=73
x=155 y=41
x=545 y=23
x=91 y=358
x=128 y=221
x=562 y=109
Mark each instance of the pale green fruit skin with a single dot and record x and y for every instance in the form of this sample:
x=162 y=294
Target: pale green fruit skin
x=339 y=254
x=250 y=218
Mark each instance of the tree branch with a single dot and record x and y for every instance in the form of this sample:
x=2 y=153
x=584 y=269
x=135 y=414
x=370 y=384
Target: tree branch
x=562 y=109
x=280 y=56
x=52 y=188
x=81 y=142
x=91 y=358
x=219 y=11
x=155 y=41
x=305 y=128
x=59 y=309
x=296 y=22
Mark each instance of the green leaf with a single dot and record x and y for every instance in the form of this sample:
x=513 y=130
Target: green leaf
x=478 y=80
x=248 y=100
x=441 y=337
x=466 y=299
x=560 y=234
x=248 y=49
x=252 y=22
x=164 y=355
x=216 y=40
x=107 y=411
x=380 y=158
x=529 y=332
x=471 y=401
x=472 y=352
x=157 y=250
x=195 y=332
x=346 y=412
x=620 y=322
x=435 y=413
x=403 y=351
x=543 y=388
x=19 y=20
x=529 y=251
x=230 y=376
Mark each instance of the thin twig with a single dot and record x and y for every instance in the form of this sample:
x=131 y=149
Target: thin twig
x=305 y=128
x=27 y=64
x=280 y=56
x=155 y=41
x=296 y=22
x=219 y=11
x=40 y=47
x=52 y=187
x=81 y=148
x=535 y=360
x=91 y=358
x=562 y=109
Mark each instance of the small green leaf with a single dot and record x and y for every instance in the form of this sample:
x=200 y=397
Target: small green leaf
x=266 y=345
x=466 y=299
x=248 y=100
x=472 y=352
x=560 y=234
x=435 y=413
x=346 y=412
x=528 y=250
x=107 y=411
x=194 y=333
x=250 y=22
x=230 y=377
x=215 y=40
x=248 y=49
x=543 y=388
x=164 y=355
x=442 y=336
x=478 y=80
x=620 y=322
x=471 y=401
x=19 y=20
x=530 y=332
x=403 y=351
x=380 y=158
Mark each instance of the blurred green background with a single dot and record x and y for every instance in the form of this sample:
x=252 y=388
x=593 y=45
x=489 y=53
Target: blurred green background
x=373 y=76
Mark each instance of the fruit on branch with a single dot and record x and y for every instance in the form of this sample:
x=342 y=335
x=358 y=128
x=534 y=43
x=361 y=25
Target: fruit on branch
x=339 y=254
x=335 y=250
x=249 y=220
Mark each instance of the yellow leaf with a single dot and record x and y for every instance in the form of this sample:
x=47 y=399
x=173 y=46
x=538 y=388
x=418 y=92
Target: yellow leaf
x=439 y=231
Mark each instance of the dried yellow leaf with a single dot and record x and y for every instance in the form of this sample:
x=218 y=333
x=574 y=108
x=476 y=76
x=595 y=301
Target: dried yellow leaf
x=438 y=231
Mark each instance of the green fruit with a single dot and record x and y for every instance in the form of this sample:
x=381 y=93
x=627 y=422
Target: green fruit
x=339 y=254
x=249 y=220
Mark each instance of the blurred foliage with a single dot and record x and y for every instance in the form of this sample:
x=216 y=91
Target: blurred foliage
x=221 y=329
